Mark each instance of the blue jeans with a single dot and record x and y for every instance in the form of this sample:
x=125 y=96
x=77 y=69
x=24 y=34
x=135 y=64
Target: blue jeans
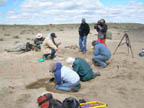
x=100 y=60
x=51 y=55
x=82 y=43
x=67 y=86
x=39 y=46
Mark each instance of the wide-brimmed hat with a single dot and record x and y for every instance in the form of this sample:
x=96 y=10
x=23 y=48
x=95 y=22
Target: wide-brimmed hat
x=39 y=35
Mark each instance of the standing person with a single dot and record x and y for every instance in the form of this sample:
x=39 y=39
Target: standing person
x=101 y=28
x=101 y=54
x=39 y=40
x=66 y=78
x=84 y=70
x=49 y=46
x=83 y=33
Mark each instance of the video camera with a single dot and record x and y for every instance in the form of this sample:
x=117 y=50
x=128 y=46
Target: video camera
x=98 y=23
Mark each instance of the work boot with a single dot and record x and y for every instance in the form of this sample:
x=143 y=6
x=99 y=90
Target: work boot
x=75 y=89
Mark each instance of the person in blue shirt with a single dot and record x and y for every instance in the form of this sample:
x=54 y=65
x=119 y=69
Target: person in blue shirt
x=101 y=53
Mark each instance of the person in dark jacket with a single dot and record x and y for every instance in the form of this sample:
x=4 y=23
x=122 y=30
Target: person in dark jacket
x=66 y=78
x=39 y=40
x=101 y=28
x=101 y=54
x=84 y=70
x=83 y=33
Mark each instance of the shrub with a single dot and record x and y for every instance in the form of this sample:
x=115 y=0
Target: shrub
x=17 y=42
x=1 y=39
x=6 y=34
x=16 y=37
x=28 y=38
x=61 y=29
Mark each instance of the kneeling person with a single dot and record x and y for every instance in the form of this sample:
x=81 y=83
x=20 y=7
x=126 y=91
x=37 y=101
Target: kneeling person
x=66 y=78
x=82 y=68
x=101 y=53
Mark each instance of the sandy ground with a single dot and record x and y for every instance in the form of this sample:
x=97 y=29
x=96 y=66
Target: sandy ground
x=120 y=84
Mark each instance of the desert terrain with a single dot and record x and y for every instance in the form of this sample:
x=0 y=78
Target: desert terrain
x=121 y=84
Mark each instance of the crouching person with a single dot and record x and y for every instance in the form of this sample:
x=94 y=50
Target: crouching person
x=39 y=40
x=84 y=70
x=49 y=47
x=101 y=54
x=66 y=78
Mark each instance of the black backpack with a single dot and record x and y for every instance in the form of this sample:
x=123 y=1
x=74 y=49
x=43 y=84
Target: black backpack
x=71 y=103
x=55 y=104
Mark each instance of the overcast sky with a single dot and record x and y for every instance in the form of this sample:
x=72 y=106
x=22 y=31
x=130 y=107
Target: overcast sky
x=70 y=11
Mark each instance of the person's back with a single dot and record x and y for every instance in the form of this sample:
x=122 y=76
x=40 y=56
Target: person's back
x=66 y=78
x=83 y=69
x=65 y=74
x=68 y=75
x=101 y=49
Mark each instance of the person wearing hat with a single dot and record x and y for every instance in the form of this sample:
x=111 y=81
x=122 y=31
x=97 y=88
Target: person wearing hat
x=101 y=28
x=84 y=30
x=101 y=54
x=84 y=70
x=66 y=78
x=39 y=40
x=49 y=46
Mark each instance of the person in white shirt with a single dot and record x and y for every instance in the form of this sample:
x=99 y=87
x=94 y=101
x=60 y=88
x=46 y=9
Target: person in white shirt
x=66 y=78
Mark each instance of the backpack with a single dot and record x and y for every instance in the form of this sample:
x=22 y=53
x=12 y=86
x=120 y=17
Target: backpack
x=71 y=103
x=47 y=101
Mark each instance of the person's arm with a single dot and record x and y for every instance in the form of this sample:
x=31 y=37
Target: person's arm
x=96 y=51
x=76 y=67
x=35 y=41
x=88 y=29
x=103 y=28
x=80 y=30
x=96 y=27
x=58 y=77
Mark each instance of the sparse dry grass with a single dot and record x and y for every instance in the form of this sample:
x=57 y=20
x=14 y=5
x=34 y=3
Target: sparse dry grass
x=1 y=39
x=6 y=34
x=16 y=37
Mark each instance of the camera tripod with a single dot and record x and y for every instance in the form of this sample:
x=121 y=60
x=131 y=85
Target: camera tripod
x=127 y=42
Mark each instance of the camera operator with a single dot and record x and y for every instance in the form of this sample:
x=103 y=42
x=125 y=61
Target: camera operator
x=101 y=28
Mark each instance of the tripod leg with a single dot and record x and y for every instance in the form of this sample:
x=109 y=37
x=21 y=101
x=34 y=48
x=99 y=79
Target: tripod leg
x=130 y=47
x=118 y=45
x=128 y=50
